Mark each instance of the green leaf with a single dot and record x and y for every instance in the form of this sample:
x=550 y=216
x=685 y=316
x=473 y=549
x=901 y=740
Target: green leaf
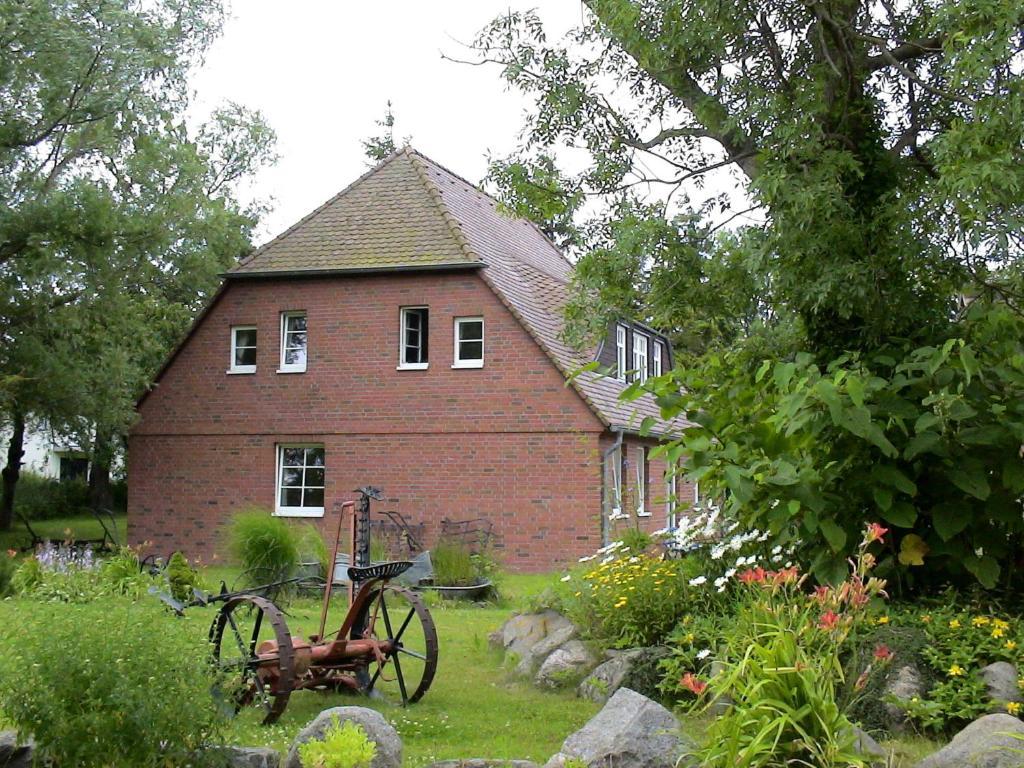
x=834 y=535
x=829 y=569
x=894 y=477
x=922 y=442
x=971 y=479
x=785 y=474
x=883 y=498
x=1013 y=474
x=985 y=569
x=762 y=370
x=783 y=374
x=950 y=518
x=855 y=388
x=969 y=362
x=926 y=421
x=901 y=514
x=741 y=487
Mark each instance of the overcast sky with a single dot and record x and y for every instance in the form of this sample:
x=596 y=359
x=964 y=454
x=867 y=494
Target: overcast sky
x=322 y=71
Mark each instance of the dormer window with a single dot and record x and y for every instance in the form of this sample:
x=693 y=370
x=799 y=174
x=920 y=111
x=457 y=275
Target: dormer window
x=640 y=367
x=415 y=328
x=656 y=364
x=620 y=352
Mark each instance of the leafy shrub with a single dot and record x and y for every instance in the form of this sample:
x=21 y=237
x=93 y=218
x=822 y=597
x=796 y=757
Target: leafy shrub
x=453 y=564
x=44 y=498
x=109 y=683
x=181 y=577
x=343 y=746
x=8 y=566
x=66 y=574
x=266 y=547
x=782 y=671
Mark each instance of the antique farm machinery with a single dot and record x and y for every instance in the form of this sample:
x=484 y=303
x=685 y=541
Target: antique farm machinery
x=386 y=644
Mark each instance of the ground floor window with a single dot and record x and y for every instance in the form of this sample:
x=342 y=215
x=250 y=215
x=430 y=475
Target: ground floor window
x=300 y=480
x=73 y=468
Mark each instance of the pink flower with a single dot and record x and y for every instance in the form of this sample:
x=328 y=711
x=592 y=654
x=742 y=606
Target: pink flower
x=752 y=575
x=692 y=683
x=883 y=653
x=828 y=620
x=876 y=532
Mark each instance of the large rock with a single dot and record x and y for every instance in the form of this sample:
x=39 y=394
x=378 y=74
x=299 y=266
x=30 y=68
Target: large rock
x=902 y=684
x=378 y=730
x=542 y=649
x=483 y=762
x=610 y=676
x=631 y=731
x=520 y=633
x=865 y=744
x=14 y=754
x=250 y=757
x=1001 y=680
x=565 y=665
x=992 y=741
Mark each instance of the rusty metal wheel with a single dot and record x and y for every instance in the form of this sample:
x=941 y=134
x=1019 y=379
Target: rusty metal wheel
x=253 y=656
x=397 y=615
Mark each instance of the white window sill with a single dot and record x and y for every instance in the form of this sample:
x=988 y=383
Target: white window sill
x=412 y=367
x=299 y=512
x=235 y=371
x=643 y=514
x=468 y=364
x=292 y=370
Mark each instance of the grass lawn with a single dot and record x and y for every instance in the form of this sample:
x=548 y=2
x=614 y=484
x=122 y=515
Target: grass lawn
x=60 y=528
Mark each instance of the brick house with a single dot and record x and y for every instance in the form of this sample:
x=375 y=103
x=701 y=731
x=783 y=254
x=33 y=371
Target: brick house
x=405 y=334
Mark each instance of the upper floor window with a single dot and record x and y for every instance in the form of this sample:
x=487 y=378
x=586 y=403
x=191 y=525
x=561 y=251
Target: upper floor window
x=469 y=342
x=656 y=365
x=293 y=342
x=620 y=352
x=412 y=353
x=300 y=480
x=243 y=349
x=640 y=357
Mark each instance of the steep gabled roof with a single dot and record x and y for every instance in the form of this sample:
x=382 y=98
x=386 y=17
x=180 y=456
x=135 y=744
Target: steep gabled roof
x=412 y=213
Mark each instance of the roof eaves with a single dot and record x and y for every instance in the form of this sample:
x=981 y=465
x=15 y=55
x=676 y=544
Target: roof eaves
x=329 y=272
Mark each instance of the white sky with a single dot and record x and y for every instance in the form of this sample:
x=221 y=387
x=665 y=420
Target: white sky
x=321 y=72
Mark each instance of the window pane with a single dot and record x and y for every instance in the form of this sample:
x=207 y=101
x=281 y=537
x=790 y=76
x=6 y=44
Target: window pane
x=297 y=339
x=296 y=323
x=293 y=456
x=291 y=476
x=245 y=356
x=294 y=356
x=471 y=350
x=314 y=478
x=291 y=497
x=314 y=497
x=471 y=330
x=314 y=457
x=245 y=337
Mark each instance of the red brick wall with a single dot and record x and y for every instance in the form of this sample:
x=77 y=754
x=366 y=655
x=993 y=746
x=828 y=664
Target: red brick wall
x=509 y=441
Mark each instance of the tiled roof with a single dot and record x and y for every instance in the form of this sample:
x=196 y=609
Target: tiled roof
x=410 y=212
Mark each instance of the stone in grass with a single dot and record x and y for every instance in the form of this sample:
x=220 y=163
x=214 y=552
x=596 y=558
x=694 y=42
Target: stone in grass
x=520 y=633
x=566 y=665
x=483 y=762
x=14 y=754
x=991 y=741
x=542 y=649
x=378 y=730
x=631 y=731
x=610 y=676
x=1001 y=680
x=903 y=684
x=864 y=744
x=249 y=757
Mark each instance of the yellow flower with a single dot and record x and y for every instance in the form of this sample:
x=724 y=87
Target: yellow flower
x=882 y=620
x=926 y=619
x=980 y=621
x=1013 y=707
x=1000 y=624
x=1010 y=645
x=954 y=624
x=998 y=632
x=690 y=637
x=956 y=671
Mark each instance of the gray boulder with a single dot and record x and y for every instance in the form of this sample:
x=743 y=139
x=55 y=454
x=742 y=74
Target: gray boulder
x=866 y=745
x=378 y=730
x=14 y=754
x=902 y=684
x=251 y=757
x=520 y=633
x=483 y=762
x=1001 y=680
x=991 y=741
x=631 y=731
x=567 y=664
x=609 y=676
x=537 y=654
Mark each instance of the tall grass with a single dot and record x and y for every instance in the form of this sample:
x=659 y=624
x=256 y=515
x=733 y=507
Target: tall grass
x=453 y=564
x=266 y=547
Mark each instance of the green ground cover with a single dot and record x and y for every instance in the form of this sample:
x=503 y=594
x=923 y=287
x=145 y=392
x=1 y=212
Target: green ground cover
x=61 y=528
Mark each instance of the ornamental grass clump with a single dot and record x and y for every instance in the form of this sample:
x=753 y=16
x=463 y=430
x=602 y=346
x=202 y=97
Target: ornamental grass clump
x=266 y=547
x=782 y=670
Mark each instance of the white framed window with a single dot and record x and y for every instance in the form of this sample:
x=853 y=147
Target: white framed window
x=640 y=368
x=469 y=342
x=670 y=498
x=300 y=480
x=412 y=344
x=656 y=364
x=620 y=352
x=243 y=349
x=641 y=482
x=613 y=474
x=293 y=342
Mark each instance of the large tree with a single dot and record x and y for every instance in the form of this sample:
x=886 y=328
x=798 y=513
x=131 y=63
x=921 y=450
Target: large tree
x=117 y=208
x=875 y=234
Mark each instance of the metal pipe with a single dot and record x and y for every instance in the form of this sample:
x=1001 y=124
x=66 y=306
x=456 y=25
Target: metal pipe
x=329 y=586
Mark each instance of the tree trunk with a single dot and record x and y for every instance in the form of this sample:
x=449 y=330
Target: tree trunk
x=12 y=471
x=100 y=495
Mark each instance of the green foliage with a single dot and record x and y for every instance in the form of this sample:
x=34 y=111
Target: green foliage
x=44 y=498
x=8 y=566
x=265 y=546
x=540 y=193
x=127 y=686
x=62 y=575
x=377 y=148
x=181 y=577
x=453 y=564
x=344 y=745
x=927 y=438
x=636 y=541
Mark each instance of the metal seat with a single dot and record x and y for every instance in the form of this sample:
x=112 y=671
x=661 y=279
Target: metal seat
x=379 y=570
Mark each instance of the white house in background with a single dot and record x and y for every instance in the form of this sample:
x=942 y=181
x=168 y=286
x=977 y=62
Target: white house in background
x=48 y=455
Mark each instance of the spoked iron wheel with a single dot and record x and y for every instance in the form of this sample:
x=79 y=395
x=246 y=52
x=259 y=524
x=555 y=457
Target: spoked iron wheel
x=253 y=654
x=397 y=616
